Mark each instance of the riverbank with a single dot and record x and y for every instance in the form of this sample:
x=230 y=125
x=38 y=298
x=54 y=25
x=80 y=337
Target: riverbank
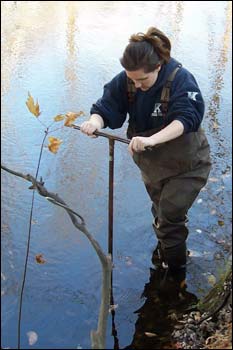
x=210 y=327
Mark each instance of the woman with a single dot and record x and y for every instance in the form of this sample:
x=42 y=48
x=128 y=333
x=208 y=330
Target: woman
x=165 y=108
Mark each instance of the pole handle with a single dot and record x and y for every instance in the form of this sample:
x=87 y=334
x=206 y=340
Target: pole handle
x=111 y=137
x=104 y=134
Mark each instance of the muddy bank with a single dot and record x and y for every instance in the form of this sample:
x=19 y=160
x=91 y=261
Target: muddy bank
x=210 y=326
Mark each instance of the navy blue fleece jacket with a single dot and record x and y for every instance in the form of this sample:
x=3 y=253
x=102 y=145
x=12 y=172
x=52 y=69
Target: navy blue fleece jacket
x=186 y=103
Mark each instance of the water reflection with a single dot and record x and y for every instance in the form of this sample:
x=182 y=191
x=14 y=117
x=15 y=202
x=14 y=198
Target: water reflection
x=165 y=302
x=174 y=12
x=218 y=57
x=176 y=24
x=72 y=61
x=219 y=47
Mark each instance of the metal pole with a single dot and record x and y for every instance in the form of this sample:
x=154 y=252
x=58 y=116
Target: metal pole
x=110 y=230
x=110 y=196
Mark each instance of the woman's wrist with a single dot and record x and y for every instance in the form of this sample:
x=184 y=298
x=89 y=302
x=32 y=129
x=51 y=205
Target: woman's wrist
x=153 y=140
x=97 y=121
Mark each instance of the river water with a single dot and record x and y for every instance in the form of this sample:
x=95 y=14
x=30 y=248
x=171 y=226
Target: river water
x=63 y=53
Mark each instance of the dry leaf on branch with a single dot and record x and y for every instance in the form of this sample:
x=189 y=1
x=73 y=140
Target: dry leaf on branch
x=71 y=117
x=33 y=108
x=54 y=144
x=59 y=117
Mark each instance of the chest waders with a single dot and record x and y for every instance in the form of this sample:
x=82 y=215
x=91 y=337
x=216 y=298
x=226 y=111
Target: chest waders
x=173 y=173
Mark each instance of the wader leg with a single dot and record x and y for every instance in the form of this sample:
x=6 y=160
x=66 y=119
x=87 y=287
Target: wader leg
x=176 y=198
x=172 y=203
x=173 y=185
x=154 y=193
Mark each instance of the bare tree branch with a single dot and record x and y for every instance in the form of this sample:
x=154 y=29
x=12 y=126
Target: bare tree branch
x=98 y=336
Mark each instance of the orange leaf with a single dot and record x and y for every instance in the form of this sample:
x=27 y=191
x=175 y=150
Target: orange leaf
x=59 y=117
x=221 y=222
x=54 y=144
x=33 y=108
x=71 y=116
x=40 y=259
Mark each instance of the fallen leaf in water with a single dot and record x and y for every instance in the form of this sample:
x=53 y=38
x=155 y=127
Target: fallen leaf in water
x=211 y=279
x=33 y=108
x=54 y=144
x=71 y=117
x=221 y=241
x=150 y=335
x=213 y=179
x=128 y=260
x=32 y=337
x=40 y=259
x=221 y=222
x=213 y=212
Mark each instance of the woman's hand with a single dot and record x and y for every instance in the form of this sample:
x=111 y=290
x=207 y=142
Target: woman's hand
x=139 y=144
x=88 y=128
x=95 y=122
x=170 y=132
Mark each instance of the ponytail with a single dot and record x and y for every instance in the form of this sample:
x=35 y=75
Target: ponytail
x=146 y=51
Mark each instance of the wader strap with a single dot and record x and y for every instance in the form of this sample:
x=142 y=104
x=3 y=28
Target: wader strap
x=165 y=95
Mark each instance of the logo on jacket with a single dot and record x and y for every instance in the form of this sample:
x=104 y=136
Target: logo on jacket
x=192 y=95
x=157 y=111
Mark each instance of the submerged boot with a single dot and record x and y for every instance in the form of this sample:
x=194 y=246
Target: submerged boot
x=174 y=282
x=176 y=257
x=173 y=262
x=168 y=286
x=173 y=257
x=158 y=256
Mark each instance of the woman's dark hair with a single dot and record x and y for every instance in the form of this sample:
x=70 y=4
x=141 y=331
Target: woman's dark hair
x=146 y=51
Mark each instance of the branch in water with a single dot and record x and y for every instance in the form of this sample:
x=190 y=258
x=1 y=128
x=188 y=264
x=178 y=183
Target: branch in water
x=98 y=336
